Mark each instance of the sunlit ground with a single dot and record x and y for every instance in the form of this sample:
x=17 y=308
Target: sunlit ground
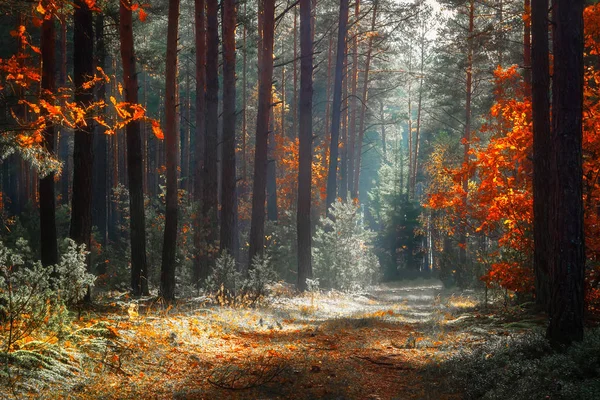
x=371 y=345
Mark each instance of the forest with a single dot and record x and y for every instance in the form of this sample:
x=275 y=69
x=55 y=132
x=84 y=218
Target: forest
x=300 y=199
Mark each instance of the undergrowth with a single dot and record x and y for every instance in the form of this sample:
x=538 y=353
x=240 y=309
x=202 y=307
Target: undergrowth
x=525 y=367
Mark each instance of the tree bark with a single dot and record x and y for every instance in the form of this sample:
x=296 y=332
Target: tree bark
x=228 y=186
x=257 y=226
x=527 y=67
x=336 y=106
x=167 y=273
x=139 y=266
x=567 y=230
x=542 y=150
x=49 y=241
x=305 y=147
x=353 y=107
x=211 y=191
x=462 y=251
x=199 y=274
x=83 y=156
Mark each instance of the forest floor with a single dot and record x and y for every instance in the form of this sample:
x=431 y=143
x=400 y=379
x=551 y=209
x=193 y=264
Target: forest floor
x=381 y=344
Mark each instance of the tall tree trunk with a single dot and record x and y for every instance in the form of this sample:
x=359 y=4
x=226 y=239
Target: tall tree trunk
x=83 y=61
x=211 y=190
x=542 y=151
x=383 y=135
x=63 y=136
x=337 y=103
x=327 y=127
x=49 y=241
x=527 y=67
x=199 y=273
x=187 y=132
x=139 y=266
x=363 y=109
x=353 y=107
x=244 y=100
x=271 y=172
x=100 y=217
x=343 y=182
x=305 y=147
x=229 y=193
x=462 y=251
x=257 y=226
x=567 y=230
x=419 y=108
x=167 y=273
x=295 y=64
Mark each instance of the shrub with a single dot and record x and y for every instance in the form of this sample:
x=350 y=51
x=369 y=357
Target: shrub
x=33 y=298
x=343 y=250
x=526 y=367
x=229 y=286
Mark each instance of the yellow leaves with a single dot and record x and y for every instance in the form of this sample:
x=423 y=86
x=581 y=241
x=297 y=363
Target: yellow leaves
x=40 y=8
x=20 y=31
x=132 y=311
x=120 y=88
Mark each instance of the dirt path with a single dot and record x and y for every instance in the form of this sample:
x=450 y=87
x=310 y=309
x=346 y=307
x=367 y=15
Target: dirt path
x=326 y=346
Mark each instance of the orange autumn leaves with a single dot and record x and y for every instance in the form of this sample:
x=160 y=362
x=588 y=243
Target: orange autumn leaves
x=20 y=74
x=500 y=196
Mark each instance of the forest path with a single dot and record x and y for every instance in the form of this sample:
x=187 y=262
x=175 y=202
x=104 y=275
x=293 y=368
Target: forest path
x=373 y=345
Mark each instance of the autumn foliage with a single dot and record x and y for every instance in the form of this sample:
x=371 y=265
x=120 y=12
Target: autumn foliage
x=20 y=74
x=499 y=170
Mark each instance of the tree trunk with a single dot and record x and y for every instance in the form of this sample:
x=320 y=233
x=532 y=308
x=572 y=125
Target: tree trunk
x=139 y=266
x=272 y=210
x=199 y=273
x=83 y=156
x=229 y=193
x=363 y=110
x=167 y=273
x=257 y=226
x=542 y=151
x=566 y=231
x=343 y=182
x=49 y=241
x=419 y=108
x=244 y=100
x=295 y=64
x=305 y=147
x=353 y=107
x=327 y=127
x=462 y=252
x=527 y=67
x=336 y=106
x=211 y=191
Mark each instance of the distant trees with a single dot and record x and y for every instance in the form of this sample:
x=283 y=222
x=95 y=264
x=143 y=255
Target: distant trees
x=336 y=113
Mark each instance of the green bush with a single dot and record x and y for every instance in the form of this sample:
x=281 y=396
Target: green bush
x=343 y=250
x=229 y=286
x=33 y=298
